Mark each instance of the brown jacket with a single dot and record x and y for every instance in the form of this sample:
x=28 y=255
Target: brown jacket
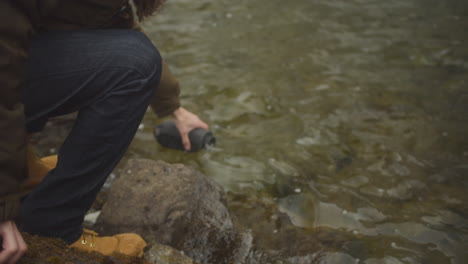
x=20 y=19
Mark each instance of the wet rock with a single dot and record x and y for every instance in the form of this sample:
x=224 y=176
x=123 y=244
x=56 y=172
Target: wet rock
x=161 y=254
x=209 y=245
x=175 y=205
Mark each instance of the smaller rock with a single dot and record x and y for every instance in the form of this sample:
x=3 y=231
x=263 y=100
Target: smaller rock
x=161 y=254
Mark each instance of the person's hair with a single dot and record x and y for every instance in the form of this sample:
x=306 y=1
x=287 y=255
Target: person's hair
x=145 y=8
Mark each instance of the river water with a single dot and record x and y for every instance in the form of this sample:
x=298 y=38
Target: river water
x=342 y=125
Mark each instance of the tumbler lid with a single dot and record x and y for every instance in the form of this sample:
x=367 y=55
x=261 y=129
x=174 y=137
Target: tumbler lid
x=201 y=138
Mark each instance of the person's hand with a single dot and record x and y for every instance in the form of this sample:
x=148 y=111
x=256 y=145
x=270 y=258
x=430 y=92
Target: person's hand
x=185 y=122
x=13 y=246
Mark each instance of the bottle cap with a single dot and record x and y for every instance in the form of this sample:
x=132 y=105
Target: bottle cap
x=201 y=138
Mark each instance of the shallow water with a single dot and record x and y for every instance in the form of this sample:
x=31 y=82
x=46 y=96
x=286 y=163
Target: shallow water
x=338 y=116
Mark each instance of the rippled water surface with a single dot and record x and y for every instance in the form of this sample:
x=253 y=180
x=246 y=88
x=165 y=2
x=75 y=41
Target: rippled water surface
x=342 y=125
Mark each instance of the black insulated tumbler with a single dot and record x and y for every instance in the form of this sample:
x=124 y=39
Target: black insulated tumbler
x=168 y=136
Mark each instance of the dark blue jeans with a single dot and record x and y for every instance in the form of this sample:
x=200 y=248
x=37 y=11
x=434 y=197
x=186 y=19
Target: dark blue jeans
x=108 y=76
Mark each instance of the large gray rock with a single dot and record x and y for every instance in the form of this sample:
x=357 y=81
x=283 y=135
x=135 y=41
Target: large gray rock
x=175 y=205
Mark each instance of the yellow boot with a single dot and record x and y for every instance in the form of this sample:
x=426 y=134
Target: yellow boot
x=37 y=169
x=126 y=244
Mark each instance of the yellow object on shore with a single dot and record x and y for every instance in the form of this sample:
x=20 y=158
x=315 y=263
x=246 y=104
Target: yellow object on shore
x=128 y=244
x=38 y=168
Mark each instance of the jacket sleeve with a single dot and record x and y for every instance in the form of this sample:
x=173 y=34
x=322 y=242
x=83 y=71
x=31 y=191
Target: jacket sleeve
x=166 y=97
x=15 y=31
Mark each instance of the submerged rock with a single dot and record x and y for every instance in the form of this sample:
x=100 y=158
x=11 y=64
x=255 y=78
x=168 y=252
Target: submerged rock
x=175 y=205
x=161 y=254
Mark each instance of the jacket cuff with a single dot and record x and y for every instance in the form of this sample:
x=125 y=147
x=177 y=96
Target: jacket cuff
x=171 y=106
x=9 y=207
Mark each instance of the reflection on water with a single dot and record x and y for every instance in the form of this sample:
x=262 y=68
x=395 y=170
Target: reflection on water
x=339 y=123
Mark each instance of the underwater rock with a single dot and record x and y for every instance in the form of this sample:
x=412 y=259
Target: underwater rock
x=278 y=240
x=175 y=205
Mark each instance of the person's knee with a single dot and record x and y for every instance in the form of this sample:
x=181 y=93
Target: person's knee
x=142 y=56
